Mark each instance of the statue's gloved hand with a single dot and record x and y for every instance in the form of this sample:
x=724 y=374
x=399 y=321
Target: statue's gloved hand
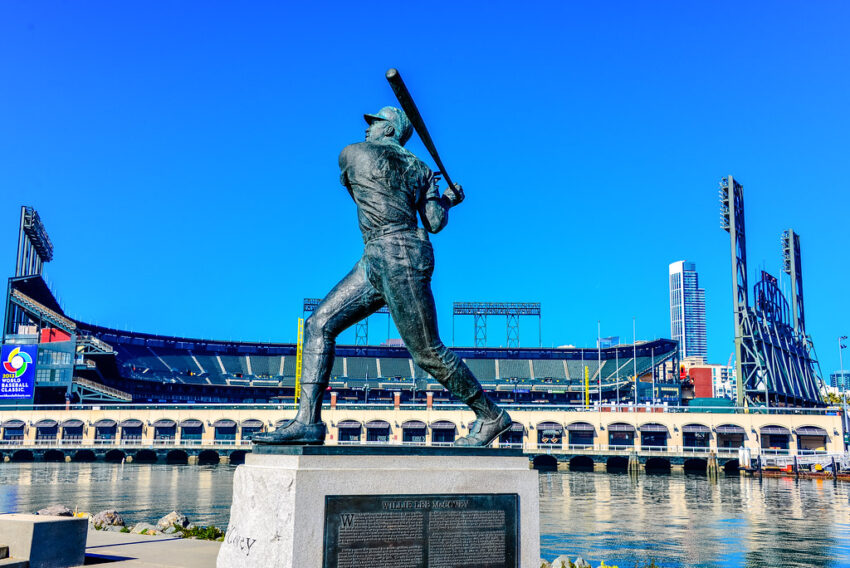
x=454 y=194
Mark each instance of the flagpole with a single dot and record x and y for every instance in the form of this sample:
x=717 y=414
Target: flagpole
x=634 y=358
x=599 y=359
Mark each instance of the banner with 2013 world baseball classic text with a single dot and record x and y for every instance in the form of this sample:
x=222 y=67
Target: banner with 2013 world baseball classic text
x=17 y=371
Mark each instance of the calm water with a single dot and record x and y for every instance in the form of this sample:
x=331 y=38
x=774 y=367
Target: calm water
x=676 y=519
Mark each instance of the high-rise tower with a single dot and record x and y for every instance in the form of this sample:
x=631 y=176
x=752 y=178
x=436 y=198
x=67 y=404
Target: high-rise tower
x=687 y=310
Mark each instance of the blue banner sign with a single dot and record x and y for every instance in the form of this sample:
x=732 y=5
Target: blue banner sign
x=17 y=371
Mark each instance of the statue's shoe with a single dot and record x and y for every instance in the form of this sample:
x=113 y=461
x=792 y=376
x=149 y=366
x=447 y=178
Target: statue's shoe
x=294 y=433
x=482 y=432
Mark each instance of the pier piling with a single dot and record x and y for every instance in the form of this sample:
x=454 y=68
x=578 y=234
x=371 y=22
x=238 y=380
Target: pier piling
x=634 y=463
x=712 y=469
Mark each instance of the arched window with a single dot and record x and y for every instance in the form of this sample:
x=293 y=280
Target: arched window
x=550 y=435
x=443 y=433
x=653 y=436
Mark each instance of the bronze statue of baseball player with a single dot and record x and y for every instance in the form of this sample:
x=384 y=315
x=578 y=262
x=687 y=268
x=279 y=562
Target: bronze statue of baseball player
x=390 y=187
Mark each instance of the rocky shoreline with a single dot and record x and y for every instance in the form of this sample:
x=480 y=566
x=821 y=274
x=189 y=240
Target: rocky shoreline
x=174 y=524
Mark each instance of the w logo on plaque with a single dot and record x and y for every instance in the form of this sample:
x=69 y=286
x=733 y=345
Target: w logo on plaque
x=346 y=520
x=421 y=531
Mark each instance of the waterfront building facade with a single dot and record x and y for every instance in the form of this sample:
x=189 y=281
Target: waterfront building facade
x=687 y=310
x=124 y=430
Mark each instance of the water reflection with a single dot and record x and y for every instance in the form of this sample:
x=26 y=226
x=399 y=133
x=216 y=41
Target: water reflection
x=140 y=492
x=695 y=521
x=674 y=519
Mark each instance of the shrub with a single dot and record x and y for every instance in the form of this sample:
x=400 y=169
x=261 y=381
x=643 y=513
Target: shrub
x=203 y=533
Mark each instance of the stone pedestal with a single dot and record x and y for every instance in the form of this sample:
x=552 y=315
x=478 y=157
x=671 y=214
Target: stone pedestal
x=45 y=541
x=338 y=506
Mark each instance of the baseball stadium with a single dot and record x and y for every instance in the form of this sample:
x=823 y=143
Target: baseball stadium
x=78 y=362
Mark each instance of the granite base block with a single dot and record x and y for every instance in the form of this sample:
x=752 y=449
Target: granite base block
x=278 y=513
x=46 y=542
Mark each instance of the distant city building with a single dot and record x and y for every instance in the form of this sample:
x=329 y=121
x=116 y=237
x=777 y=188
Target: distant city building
x=687 y=310
x=840 y=380
x=713 y=381
x=606 y=342
x=723 y=382
x=692 y=361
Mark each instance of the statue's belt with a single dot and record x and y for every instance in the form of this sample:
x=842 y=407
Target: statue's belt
x=389 y=229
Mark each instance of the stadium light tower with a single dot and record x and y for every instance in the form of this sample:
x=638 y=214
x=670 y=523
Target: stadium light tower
x=34 y=246
x=774 y=358
x=34 y=249
x=513 y=310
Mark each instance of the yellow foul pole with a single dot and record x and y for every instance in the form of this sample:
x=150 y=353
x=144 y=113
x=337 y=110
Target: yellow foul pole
x=298 y=358
x=586 y=387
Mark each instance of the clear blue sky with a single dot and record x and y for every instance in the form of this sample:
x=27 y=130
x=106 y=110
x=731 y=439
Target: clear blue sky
x=183 y=155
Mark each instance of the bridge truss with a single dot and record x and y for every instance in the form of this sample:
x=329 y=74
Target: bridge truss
x=775 y=358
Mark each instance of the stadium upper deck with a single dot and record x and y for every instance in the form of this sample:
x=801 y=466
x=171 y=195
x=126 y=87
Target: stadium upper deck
x=156 y=367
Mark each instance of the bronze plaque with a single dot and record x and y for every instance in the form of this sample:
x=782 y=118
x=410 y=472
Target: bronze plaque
x=422 y=531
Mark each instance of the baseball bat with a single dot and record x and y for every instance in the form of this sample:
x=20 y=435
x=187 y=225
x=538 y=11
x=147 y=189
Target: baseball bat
x=409 y=108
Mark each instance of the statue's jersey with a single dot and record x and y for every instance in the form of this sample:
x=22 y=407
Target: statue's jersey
x=388 y=183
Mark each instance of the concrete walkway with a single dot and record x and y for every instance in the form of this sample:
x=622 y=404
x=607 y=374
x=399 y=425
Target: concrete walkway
x=140 y=551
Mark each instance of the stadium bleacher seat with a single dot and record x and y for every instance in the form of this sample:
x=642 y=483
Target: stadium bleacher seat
x=395 y=367
x=514 y=368
x=552 y=368
x=575 y=368
x=483 y=369
x=361 y=367
x=210 y=364
x=338 y=369
x=180 y=363
x=265 y=365
x=234 y=364
x=289 y=366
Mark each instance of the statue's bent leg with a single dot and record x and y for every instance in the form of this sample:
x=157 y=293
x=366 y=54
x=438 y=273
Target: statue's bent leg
x=350 y=301
x=353 y=299
x=406 y=285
